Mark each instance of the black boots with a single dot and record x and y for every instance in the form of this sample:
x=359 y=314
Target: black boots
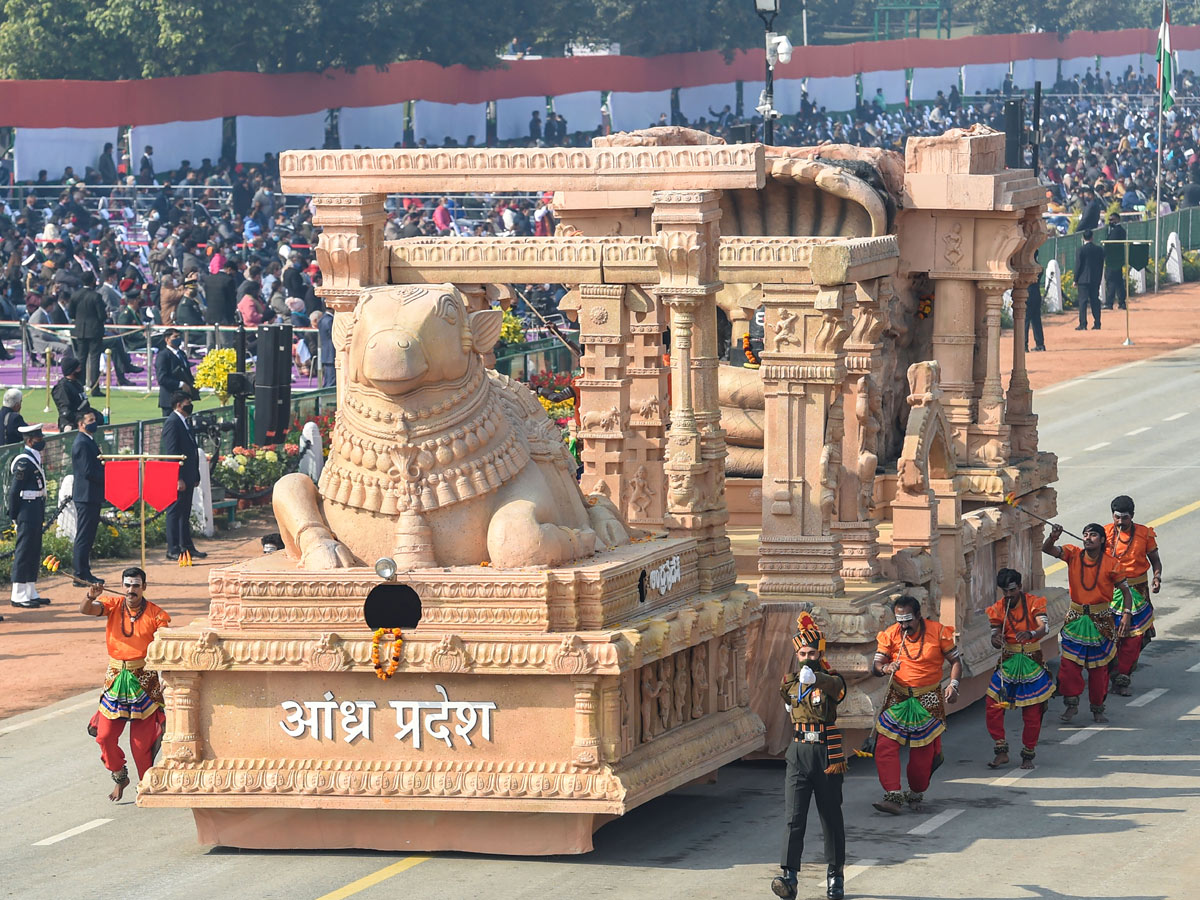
x=836 y=884
x=784 y=884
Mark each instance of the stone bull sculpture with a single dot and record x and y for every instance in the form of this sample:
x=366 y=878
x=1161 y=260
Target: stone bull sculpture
x=434 y=459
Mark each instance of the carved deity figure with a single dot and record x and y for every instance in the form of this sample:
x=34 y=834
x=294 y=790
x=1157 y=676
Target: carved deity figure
x=651 y=688
x=682 y=710
x=436 y=460
x=699 y=680
x=666 y=676
x=640 y=492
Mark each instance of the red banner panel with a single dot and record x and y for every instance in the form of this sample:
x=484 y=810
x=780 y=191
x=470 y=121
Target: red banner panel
x=121 y=482
x=161 y=488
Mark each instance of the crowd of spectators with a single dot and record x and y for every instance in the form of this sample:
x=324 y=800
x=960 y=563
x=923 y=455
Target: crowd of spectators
x=219 y=244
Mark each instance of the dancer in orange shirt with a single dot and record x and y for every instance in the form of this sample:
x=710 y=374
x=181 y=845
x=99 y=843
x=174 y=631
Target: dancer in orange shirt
x=131 y=693
x=1019 y=622
x=1089 y=634
x=912 y=652
x=1137 y=547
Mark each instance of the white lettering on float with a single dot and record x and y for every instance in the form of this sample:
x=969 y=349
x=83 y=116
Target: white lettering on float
x=666 y=576
x=315 y=719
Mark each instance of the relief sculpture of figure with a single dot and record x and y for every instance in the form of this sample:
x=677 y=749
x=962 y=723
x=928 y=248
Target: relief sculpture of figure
x=436 y=460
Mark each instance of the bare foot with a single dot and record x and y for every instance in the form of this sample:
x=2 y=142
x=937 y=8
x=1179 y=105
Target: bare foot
x=118 y=790
x=1068 y=714
x=1027 y=764
x=1000 y=761
x=1100 y=718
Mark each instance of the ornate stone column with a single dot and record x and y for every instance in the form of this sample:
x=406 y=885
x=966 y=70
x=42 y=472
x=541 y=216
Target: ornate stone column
x=991 y=399
x=953 y=348
x=181 y=696
x=603 y=388
x=585 y=751
x=687 y=242
x=862 y=410
x=803 y=368
x=351 y=255
x=646 y=437
x=1019 y=407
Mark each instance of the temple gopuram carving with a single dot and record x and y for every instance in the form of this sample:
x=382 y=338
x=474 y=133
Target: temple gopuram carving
x=570 y=652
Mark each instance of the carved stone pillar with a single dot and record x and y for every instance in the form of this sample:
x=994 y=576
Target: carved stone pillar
x=351 y=255
x=803 y=369
x=585 y=752
x=687 y=242
x=646 y=437
x=862 y=410
x=991 y=399
x=603 y=389
x=181 y=697
x=953 y=348
x=1019 y=407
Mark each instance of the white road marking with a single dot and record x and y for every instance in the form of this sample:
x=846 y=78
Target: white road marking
x=1137 y=431
x=1192 y=715
x=1103 y=372
x=1011 y=778
x=858 y=868
x=1195 y=668
x=1083 y=734
x=1148 y=697
x=1174 y=417
x=8 y=729
x=71 y=832
x=1096 y=446
x=936 y=822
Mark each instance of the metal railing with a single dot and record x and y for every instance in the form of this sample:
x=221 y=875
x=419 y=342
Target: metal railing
x=1184 y=222
x=144 y=437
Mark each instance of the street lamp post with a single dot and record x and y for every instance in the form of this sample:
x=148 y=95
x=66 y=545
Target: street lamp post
x=779 y=49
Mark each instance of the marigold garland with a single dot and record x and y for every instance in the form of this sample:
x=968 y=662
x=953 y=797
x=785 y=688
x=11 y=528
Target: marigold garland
x=925 y=306
x=752 y=361
x=394 y=662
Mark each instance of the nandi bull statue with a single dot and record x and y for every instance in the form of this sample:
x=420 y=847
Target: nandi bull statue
x=434 y=459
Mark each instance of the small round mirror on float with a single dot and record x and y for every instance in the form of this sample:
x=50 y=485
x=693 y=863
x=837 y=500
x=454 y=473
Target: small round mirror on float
x=385 y=568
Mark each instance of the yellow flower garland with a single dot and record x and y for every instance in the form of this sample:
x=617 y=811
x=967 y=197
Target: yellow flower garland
x=394 y=662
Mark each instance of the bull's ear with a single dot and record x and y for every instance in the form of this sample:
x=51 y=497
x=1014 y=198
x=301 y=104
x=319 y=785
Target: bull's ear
x=485 y=328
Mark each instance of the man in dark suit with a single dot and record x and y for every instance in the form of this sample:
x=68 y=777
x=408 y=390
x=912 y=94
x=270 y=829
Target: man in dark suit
x=89 y=314
x=87 y=493
x=1089 y=216
x=1114 y=276
x=293 y=277
x=1089 y=270
x=178 y=440
x=173 y=371
x=69 y=395
x=10 y=417
x=220 y=295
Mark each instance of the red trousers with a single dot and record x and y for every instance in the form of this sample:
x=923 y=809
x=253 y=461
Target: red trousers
x=142 y=735
x=1070 y=681
x=1031 y=716
x=1128 y=650
x=920 y=763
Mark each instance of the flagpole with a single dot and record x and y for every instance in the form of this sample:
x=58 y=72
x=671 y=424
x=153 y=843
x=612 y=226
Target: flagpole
x=1157 y=192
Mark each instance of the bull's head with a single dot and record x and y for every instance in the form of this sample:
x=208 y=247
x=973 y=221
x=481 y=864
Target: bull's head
x=410 y=336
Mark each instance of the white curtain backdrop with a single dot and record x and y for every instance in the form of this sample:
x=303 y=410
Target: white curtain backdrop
x=581 y=110
x=787 y=95
x=371 y=127
x=1188 y=59
x=891 y=80
x=437 y=121
x=513 y=115
x=173 y=142
x=836 y=93
x=927 y=82
x=640 y=109
x=695 y=102
x=259 y=135
x=1027 y=71
x=983 y=77
x=53 y=149
x=1077 y=66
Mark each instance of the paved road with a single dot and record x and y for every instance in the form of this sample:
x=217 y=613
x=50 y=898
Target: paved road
x=1109 y=813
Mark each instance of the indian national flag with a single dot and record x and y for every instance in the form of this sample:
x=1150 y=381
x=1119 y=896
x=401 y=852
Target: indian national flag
x=1166 y=61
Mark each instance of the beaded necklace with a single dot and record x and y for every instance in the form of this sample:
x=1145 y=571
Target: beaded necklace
x=1127 y=542
x=1083 y=567
x=126 y=614
x=920 y=646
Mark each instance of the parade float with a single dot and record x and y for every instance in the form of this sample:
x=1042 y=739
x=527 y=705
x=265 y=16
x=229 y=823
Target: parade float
x=463 y=649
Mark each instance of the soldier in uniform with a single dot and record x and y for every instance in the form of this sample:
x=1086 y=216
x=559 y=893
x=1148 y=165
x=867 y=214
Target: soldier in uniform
x=27 y=509
x=816 y=762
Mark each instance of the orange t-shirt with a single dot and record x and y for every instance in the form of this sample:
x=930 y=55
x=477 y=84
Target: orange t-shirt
x=1133 y=550
x=1019 y=618
x=921 y=659
x=1101 y=579
x=121 y=646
